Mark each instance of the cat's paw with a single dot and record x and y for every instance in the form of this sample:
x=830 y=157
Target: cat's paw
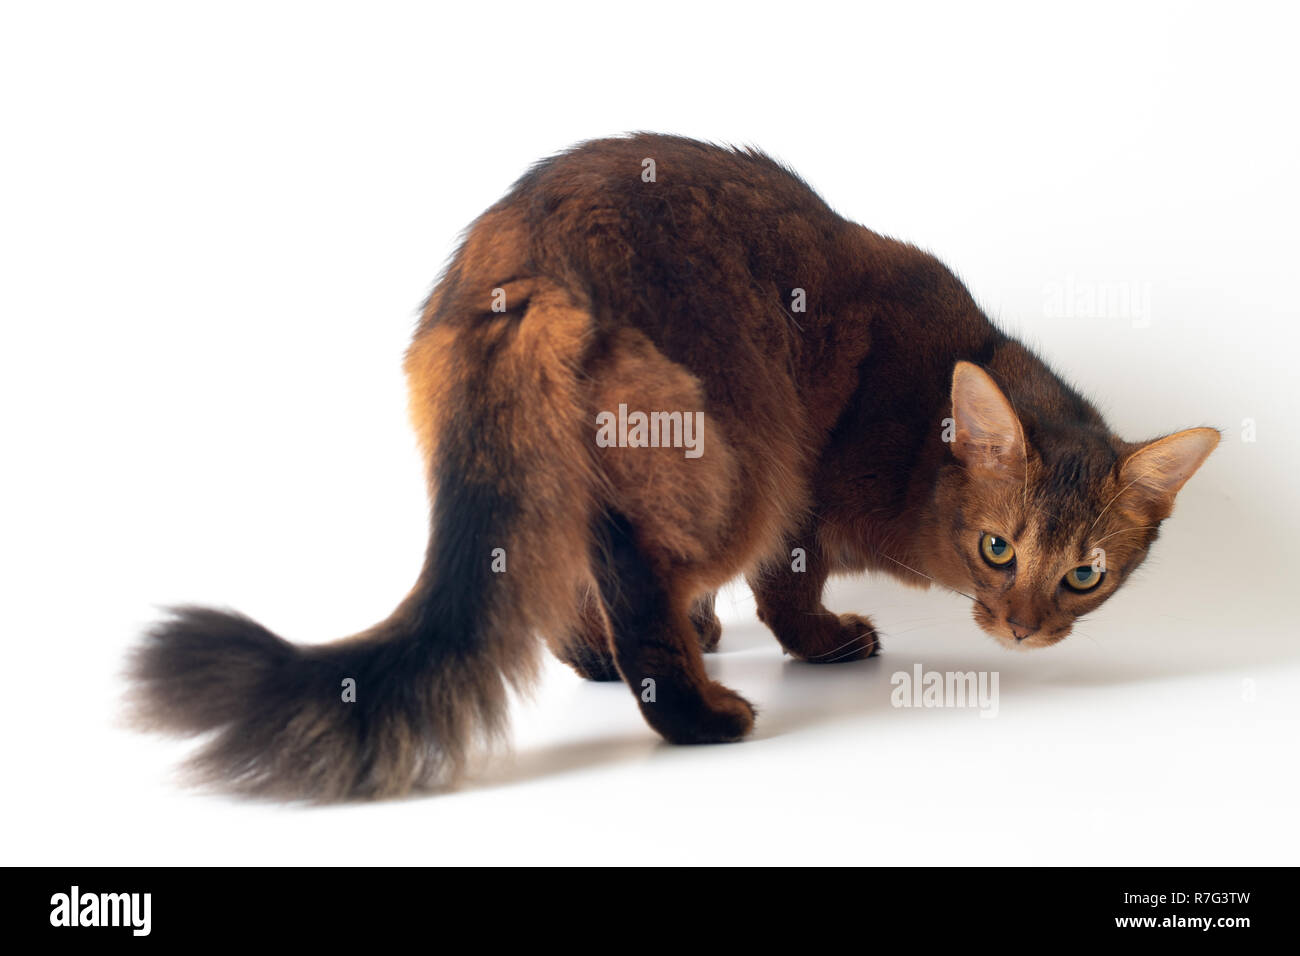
x=713 y=715
x=844 y=637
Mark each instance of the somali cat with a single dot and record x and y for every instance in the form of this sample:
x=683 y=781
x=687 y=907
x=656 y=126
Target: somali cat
x=655 y=365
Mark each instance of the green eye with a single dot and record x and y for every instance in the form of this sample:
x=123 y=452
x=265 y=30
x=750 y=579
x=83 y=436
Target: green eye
x=997 y=551
x=1083 y=578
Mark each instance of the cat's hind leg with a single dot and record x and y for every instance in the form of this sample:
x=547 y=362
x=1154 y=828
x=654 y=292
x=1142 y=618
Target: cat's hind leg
x=657 y=647
x=587 y=647
x=705 y=620
x=789 y=597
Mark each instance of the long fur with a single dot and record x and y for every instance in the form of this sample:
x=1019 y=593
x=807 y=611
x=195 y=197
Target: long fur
x=591 y=285
x=508 y=490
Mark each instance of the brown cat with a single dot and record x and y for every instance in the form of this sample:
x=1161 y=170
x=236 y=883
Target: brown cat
x=654 y=365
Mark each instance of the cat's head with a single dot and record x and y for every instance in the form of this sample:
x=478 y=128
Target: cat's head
x=1043 y=515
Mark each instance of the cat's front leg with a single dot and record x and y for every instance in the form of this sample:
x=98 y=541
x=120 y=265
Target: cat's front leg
x=789 y=597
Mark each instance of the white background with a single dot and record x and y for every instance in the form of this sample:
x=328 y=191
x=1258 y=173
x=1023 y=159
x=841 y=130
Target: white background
x=216 y=227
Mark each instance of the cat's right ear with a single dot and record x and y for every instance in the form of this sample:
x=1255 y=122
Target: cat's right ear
x=987 y=436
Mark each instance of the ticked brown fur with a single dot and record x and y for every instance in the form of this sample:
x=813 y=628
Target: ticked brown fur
x=885 y=425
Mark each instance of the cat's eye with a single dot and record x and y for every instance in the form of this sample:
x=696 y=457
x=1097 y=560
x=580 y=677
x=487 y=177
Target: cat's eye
x=1083 y=578
x=997 y=551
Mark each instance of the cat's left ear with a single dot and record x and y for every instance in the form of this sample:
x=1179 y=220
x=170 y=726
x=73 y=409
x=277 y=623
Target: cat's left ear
x=987 y=437
x=1152 y=476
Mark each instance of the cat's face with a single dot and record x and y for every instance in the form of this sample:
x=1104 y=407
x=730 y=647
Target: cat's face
x=1039 y=555
x=1043 y=526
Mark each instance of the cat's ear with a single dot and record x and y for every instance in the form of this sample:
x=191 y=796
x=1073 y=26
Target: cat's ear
x=987 y=436
x=1152 y=475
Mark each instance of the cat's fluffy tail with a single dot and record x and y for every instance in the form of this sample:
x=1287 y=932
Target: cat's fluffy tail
x=372 y=716
x=499 y=408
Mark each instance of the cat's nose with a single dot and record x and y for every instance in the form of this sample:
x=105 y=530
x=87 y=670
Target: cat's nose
x=1021 y=631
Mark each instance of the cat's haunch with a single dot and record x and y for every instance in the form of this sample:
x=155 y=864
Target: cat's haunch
x=655 y=365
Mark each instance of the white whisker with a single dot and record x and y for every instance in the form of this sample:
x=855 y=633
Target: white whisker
x=926 y=576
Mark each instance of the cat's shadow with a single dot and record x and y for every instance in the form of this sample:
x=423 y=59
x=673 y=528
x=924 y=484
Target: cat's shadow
x=795 y=697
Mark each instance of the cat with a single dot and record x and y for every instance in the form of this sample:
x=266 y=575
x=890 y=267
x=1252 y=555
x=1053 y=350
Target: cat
x=855 y=410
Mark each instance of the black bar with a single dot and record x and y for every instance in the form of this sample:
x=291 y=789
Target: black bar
x=984 y=904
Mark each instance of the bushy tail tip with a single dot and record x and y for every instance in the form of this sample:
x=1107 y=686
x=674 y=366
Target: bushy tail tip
x=377 y=715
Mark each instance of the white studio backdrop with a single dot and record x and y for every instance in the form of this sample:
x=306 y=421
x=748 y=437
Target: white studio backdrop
x=217 y=224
